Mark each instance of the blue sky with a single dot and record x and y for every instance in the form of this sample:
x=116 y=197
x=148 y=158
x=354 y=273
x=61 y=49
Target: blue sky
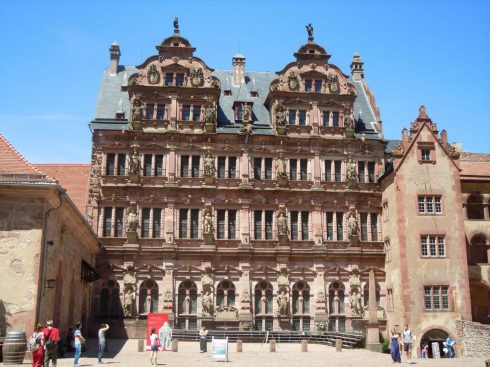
x=435 y=53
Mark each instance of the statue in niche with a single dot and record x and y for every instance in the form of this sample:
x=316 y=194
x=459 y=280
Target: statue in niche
x=208 y=222
x=293 y=81
x=351 y=172
x=197 y=77
x=321 y=297
x=168 y=296
x=246 y=297
x=128 y=301
x=309 y=29
x=207 y=277
x=129 y=277
x=134 y=162
x=187 y=304
x=301 y=303
x=207 y=304
x=280 y=115
x=354 y=281
x=210 y=115
x=148 y=303
x=247 y=112
x=282 y=224
x=355 y=302
x=209 y=168
x=282 y=302
x=153 y=75
x=132 y=220
x=281 y=167
x=137 y=112
x=336 y=302
x=349 y=120
x=352 y=224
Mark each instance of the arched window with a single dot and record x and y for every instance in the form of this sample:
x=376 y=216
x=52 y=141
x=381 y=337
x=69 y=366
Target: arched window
x=263 y=298
x=110 y=302
x=366 y=295
x=225 y=293
x=148 y=297
x=336 y=294
x=187 y=300
x=474 y=207
x=478 y=250
x=301 y=298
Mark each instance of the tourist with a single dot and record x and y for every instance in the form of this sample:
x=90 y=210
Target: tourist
x=154 y=344
x=51 y=340
x=37 y=348
x=395 y=346
x=407 y=343
x=78 y=340
x=202 y=339
x=101 y=334
x=425 y=351
x=449 y=343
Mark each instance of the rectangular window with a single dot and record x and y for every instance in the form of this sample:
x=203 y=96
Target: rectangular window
x=121 y=164
x=147 y=158
x=232 y=167
x=445 y=298
x=119 y=222
x=220 y=218
x=338 y=171
x=268 y=224
x=308 y=85
x=107 y=229
x=179 y=80
x=335 y=119
x=427 y=298
x=194 y=223
x=361 y=170
x=169 y=79
x=340 y=226
x=268 y=168
x=441 y=246
x=183 y=223
x=303 y=169
x=294 y=226
x=239 y=112
x=325 y=118
x=184 y=166
x=145 y=223
x=374 y=227
x=318 y=86
x=159 y=165
x=430 y=204
x=157 y=222
x=292 y=117
x=302 y=117
x=160 y=112
x=196 y=162
x=329 y=226
x=186 y=112
x=436 y=298
x=304 y=226
x=258 y=224
x=438 y=204
x=371 y=172
x=221 y=167
x=196 y=113
x=425 y=154
x=328 y=170
x=231 y=224
x=257 y=168
x=110 y=164
x=293 y=169
x=364 y=233
x=424 y=246
x=149 y=111
x=433 y=246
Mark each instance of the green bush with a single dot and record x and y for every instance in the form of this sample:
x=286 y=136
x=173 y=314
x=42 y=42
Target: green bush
x=386 y=346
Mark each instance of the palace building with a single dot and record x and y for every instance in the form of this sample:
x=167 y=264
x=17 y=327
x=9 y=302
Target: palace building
x=272 y=201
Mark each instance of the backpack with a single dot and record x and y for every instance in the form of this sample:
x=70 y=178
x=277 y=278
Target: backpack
x=49 y=343
x=32 y=344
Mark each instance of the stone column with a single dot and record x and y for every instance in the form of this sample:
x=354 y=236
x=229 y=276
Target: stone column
x=245 y=224
x=372 y=342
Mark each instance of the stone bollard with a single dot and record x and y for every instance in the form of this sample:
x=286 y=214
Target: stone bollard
x=141 y=345
x=175 y=345
x=272 y=345
x=487 y=363
x=304 y=345
x=338 y=345
x=239 y=346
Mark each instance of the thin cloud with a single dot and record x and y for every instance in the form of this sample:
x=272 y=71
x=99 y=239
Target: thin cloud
x=49 y=117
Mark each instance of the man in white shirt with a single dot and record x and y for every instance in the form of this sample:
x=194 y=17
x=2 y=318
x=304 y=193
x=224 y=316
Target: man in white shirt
x=407 y=343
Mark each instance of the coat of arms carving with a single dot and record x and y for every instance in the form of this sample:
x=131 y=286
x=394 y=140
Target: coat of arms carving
x=293 y=81
x=197 y=77
x=153 y=75
x=333 y=84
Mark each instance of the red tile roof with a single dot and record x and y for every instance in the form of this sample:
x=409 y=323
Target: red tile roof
x=475 y=165
x=73 y=177
x=14 y=168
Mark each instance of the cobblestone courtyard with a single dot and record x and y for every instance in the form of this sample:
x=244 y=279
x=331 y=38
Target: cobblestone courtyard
x=254 y=354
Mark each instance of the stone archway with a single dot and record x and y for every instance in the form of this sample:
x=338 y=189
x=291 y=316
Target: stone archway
x=434 y=339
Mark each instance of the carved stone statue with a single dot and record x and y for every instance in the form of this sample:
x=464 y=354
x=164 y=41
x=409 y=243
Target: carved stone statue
x=136 y=113
x=280 y=115
x=148 y=303
x=281 y=167
x=129 y=277
x=208 y=222
x=336 y=302
x=168 y=296
x=293 y=81
x=321 y=297
x=352 y=224
x=247 y=112
x=128 y=301
x=301 y=303
x=351 y=172
x=187 y=304
x=309 y=29
x=282 y=302
x=207 y=304
x=349 y=121
x=354 y=281
x=209 y=168
x=197 y=77
x=282 y=224
x=210 y=115
x=355 y=302
x=132 y=220
x=134 y=163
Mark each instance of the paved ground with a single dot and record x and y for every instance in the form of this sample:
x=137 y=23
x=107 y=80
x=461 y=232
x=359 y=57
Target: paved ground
x=124 y=354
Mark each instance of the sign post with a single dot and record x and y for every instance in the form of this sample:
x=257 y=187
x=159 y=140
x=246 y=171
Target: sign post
x=220 y=349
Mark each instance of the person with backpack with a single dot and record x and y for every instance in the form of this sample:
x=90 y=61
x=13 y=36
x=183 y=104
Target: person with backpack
x=36 y=346
x=51 y=341
x=154 y=345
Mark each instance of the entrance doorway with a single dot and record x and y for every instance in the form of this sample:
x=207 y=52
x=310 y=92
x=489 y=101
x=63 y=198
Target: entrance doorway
x=434 y=339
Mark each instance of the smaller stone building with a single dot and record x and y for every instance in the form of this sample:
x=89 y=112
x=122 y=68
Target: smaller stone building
x=47 y=249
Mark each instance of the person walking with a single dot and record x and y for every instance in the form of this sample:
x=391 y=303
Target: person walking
x=51 y=343
x=407 y=343
x=101 y=335
x=395 y=346
x=78 y=340
x=203 y=333
x=450 y=347
x=154 y=345
x=37 y=348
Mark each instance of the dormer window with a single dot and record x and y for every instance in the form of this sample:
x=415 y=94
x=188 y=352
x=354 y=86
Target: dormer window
x=425 y=154
x=169 y=79
x=254 y=93
x=179 y=80
x=227 y=92
x=239 y=112
x=119 y=115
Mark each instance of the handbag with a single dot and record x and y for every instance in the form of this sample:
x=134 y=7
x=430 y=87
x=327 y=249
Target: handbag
x=156 y=343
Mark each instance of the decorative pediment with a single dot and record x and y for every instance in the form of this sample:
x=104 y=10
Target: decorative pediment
x=227 y=269
x=263 y=269
x=188 y=268
x=337 y=272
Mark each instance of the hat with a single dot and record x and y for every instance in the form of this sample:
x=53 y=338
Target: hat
x=50 y=323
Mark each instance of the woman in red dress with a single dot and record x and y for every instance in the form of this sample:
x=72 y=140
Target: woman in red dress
x=38 y=354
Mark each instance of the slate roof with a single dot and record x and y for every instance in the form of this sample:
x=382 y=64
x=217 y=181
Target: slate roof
x=14 y=168
x=112 y=99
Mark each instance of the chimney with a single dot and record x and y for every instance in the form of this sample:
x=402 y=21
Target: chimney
x=357 y=67
x=405 y=139
x=444 y=137
x=238 y=69
x=115 y=53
